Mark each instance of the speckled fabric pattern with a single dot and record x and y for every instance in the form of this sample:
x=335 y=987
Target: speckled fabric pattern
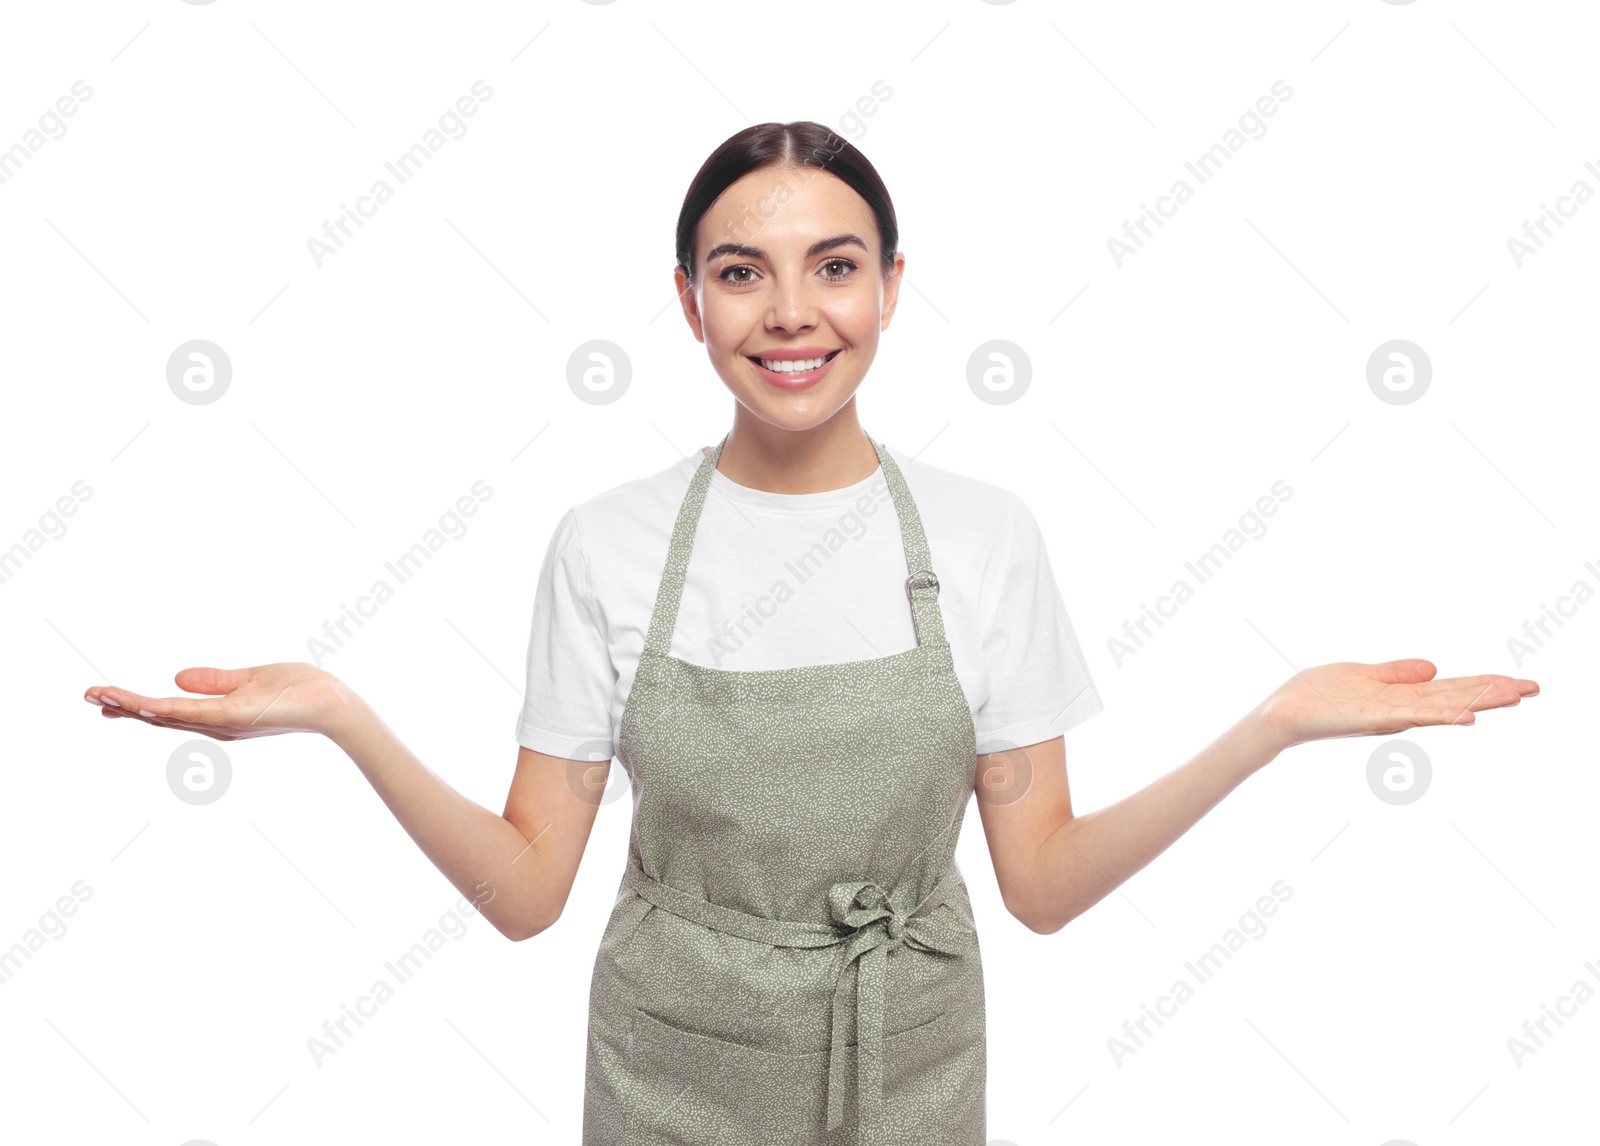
x=792 y=956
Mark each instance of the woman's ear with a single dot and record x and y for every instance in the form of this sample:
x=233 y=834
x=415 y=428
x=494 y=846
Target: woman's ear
x=691 y=308
x=891 y=289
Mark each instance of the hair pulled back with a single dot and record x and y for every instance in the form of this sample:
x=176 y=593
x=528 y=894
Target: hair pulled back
x=801 y=144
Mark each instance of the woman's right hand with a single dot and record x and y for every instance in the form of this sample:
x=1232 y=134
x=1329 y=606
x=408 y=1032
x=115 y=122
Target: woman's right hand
x=242 y=703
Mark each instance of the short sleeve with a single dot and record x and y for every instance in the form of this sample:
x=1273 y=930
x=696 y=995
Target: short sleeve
x=570 y=678
x=1039 y=681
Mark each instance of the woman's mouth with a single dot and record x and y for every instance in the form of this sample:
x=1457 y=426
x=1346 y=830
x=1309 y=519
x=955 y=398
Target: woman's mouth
x=794 y=373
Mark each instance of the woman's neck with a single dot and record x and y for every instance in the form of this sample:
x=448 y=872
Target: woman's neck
x=833 y=455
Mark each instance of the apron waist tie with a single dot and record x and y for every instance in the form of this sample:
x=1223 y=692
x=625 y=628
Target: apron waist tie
x=869 y=926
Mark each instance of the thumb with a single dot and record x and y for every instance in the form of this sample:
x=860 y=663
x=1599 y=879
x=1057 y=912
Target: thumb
x=1410 y=670
x=213 y=681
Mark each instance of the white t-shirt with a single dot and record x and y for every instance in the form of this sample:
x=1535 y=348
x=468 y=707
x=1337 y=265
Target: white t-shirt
x=781 y=580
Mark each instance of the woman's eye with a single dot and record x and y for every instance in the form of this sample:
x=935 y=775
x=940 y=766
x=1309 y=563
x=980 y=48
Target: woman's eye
x=743 y=274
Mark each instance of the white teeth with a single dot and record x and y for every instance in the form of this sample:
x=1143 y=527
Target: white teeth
x=791 y=365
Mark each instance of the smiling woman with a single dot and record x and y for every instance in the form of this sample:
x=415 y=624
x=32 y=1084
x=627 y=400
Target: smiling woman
x=788 y=271
x=792 y=955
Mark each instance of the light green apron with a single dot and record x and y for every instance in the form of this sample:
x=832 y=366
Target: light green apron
x=792 y=956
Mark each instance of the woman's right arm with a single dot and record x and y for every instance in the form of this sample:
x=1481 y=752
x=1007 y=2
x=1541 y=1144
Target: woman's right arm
x=517 y=868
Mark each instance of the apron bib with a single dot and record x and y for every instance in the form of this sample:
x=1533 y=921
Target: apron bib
x=792 y=956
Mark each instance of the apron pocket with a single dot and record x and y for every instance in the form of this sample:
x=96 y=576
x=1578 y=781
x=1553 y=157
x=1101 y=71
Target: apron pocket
x=694 y=1089
x=697 y=1090
x=935 y=1074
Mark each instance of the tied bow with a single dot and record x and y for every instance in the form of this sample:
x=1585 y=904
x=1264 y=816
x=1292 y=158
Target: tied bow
x=877 y=928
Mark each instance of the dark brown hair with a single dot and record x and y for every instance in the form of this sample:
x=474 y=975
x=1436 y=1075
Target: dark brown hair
x=798 y=144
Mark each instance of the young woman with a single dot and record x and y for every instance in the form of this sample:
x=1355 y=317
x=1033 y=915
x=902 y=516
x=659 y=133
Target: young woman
x=808 y=652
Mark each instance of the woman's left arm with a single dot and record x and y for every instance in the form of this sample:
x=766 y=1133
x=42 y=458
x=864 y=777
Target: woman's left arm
x=1052 y=866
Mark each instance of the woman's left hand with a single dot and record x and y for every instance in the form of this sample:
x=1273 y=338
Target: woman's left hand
x=1352 y=699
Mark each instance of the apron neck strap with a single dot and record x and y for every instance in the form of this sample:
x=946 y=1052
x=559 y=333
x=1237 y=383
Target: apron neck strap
x=921 y=586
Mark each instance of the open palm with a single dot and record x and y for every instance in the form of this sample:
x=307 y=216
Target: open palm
x=262 y=701
x=1353 y=699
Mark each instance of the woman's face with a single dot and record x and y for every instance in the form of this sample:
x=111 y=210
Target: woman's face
x=788 y=268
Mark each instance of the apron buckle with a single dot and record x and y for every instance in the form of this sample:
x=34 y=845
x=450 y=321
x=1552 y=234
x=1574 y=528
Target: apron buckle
x=913 y=577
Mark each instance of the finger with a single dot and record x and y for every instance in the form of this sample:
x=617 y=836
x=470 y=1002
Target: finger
x=171 y=707
x=204 y=729
x=1475 y=699
x=1421 y=716
x=1521 y=686
x=120 y=698
x=112 y=697
x=189 y=710
x=1461 y=684
x=212 y=681
x=130 y=703
x=1411 y=670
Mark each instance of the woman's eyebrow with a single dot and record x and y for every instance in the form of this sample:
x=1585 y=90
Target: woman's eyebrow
x=816 y=248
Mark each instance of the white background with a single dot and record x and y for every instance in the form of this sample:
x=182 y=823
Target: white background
x=370 y=393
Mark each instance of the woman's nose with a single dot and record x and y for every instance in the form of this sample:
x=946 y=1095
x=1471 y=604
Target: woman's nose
x=793 y=307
